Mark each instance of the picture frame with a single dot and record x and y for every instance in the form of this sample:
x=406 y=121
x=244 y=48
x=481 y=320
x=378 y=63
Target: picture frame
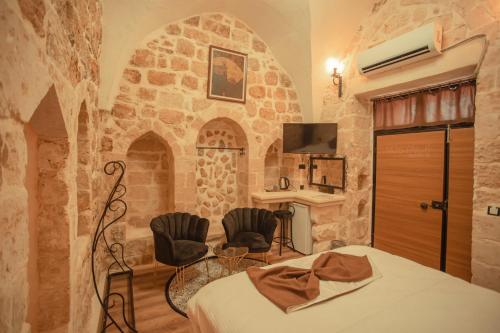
x=227 y=75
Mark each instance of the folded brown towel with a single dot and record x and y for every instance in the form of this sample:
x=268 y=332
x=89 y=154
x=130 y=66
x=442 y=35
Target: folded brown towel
x=288 y=286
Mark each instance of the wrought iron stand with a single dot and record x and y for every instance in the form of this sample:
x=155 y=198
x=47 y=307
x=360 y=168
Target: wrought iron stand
x=114 y=210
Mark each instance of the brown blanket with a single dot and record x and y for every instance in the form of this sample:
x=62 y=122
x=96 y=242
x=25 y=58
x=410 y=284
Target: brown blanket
x=287 y=286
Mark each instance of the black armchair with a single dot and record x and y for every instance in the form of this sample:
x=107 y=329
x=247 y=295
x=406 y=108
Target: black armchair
x=250 y=227
x=179 y=238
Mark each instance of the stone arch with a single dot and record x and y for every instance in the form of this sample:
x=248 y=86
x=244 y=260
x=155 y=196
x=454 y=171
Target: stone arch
x=163 y=88
x=83 y=193
x=222 y=175
x=150 y=181
x=272 y=163
x=48 y=220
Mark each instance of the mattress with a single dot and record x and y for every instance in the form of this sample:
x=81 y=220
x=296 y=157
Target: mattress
x=409 y=297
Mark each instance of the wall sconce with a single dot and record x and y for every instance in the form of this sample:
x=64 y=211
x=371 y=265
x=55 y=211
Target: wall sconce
x=335 y=68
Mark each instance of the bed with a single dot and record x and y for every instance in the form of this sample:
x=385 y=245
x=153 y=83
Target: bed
x=408 y=297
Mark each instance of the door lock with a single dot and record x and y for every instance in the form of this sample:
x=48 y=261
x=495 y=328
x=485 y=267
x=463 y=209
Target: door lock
x=424 y=205
x=442 y=205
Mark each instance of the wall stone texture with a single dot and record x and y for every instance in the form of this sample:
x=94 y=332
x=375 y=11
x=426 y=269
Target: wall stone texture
x=160 y=115
x=163 y=90
x=460 y=19
x=47 y=46
x=217 y=175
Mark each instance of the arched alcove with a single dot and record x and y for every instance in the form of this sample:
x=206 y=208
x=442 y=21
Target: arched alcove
x=272 y=164
x=221 y=174
x=83 y=173
x=150 y=182
x=48 y=227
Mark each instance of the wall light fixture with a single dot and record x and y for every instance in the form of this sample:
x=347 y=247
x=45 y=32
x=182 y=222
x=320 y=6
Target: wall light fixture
x=335 y=68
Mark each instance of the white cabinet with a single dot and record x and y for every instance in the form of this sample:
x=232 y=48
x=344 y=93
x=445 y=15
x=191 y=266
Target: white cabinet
x=301 y=225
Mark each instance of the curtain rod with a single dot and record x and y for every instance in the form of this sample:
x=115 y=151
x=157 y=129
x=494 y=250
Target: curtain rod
x=241 y=149
x=448 y=84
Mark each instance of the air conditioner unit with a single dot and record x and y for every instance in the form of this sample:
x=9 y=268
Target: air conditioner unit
x=416 y=45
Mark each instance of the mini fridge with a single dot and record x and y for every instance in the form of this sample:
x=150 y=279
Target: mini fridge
x=301 y=225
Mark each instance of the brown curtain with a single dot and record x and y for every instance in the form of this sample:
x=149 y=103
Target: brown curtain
x=445 y=105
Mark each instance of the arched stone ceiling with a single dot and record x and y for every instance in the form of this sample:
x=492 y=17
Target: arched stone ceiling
x=300 y=33
x=283 y=24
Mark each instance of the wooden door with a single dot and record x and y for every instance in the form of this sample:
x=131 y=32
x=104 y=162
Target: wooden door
x=459 y=229
x=409 y=172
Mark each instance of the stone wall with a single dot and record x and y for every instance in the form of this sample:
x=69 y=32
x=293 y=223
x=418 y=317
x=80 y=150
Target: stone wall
x=47 y=46
x=219 y=174
x=272 y=164
x=150 y=192
x=460 y=19
x=163 y=90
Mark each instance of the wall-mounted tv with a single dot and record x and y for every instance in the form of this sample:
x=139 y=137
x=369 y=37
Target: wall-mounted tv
x=312 y=138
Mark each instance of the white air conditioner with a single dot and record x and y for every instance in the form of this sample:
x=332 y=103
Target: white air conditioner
x=416 y=45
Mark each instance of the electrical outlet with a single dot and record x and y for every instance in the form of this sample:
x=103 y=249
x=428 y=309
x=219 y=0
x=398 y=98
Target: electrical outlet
x=495 y=211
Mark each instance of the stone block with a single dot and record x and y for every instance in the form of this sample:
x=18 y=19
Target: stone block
x=190 y=82
x=280 y=94
x=143 y=58
x=185 y=47
x=271 y=78
x=280 y=107
x=132 y=75
x=267 y=113
x=257 y=91
x=196 y=34
x=193 y=21
x=261 y=126
x=258 y=45
x=169 y=116
x=146 y=94
x=240 y=36
x=173 y=29
x=172 y=100
x=253 y=64
x=200 y=104
x=179 y=64
x=285 y=80
x=217 y=28
x=199 y=68
x=161 y=78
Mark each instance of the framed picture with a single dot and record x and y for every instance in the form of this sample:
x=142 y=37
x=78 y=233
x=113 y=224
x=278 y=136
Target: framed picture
x=227 y=75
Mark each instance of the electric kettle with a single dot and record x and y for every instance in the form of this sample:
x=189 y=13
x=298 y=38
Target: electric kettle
x=284 y=183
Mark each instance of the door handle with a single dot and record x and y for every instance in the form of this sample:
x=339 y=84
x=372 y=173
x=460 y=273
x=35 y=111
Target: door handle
x=424 y=205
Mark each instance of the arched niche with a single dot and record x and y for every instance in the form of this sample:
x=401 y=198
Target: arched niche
x=272 y=164
x=48 y=222
x=221 y=174
x=83 y=173
x=150 y=181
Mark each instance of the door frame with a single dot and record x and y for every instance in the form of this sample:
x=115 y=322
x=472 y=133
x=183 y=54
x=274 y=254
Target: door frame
x=444 y=222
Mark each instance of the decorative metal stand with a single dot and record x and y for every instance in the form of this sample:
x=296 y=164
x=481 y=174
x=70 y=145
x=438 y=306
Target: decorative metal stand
x=114 y=210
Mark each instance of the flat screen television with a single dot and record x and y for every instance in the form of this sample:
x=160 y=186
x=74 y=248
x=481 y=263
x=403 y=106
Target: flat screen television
x=312 y=138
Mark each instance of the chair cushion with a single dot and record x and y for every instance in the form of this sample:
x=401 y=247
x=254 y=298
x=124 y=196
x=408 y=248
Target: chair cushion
x=253 y=240
x=187 y=251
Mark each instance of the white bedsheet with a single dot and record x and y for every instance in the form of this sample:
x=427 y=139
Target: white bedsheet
x=408 y=298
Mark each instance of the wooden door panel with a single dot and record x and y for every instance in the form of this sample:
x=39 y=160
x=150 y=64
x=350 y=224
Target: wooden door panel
x=459 y=230
x=409 y=170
